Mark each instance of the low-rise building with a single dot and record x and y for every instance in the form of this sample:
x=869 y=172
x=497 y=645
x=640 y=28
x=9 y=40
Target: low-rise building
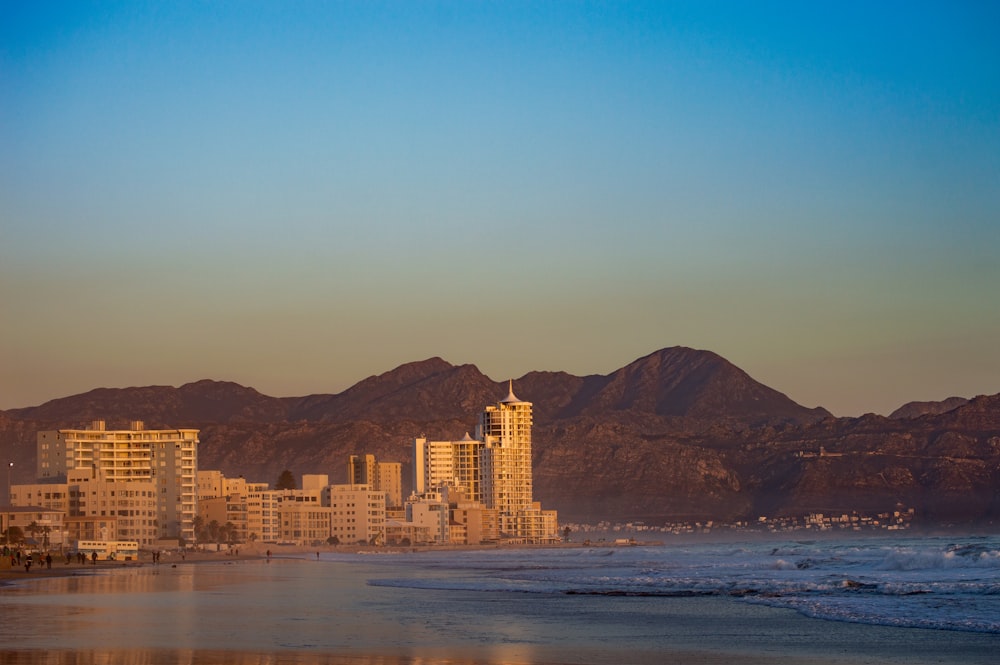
x=43 y=527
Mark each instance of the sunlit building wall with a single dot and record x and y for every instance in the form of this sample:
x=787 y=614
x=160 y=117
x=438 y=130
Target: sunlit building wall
x=168 y=458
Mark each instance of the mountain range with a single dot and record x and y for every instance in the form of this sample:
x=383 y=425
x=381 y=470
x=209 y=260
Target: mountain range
x=679 y=434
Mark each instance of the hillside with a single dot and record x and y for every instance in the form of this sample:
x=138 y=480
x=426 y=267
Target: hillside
x=677 y=434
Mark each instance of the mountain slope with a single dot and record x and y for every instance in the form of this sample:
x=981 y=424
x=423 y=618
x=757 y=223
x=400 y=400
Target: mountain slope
x=160 y=406
x=428 y=390
x=686 y=382
x=917 y=409
x=677 y=434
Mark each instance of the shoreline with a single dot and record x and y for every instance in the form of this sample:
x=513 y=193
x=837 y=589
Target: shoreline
x=332 y=616
x=254 y=552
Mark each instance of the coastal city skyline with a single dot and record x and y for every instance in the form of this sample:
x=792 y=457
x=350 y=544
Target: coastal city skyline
x=295 y=198
x=98 y=490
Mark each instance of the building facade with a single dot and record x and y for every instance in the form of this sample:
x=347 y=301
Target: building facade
x=493 y=475
x=166 y=458
x=357 y=514
x=505 y=430
x=456 y=464
x=385 y=477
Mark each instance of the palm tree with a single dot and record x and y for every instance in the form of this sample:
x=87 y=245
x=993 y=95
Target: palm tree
x=33 y=528
x=198 y=523
x=213 y=531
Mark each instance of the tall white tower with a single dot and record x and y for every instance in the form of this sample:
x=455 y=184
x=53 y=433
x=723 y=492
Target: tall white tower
x=505 y=430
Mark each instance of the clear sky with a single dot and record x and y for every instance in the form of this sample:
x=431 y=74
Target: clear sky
x=298 y=195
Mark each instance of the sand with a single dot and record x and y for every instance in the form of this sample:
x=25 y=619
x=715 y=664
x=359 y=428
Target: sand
x=194 y=611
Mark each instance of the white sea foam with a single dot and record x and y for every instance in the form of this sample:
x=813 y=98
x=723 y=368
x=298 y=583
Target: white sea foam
x=933 y=582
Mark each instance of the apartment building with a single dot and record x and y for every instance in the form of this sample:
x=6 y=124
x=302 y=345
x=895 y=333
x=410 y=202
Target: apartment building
x=505 y=430
x=385 y=477
x=166 y=458
x=134 y=504
x=430 y=514
x=263 y=518
x=127 y=508
x=493 y=472
x=357 y=514
x=303 y=521
x=46 y=526
x=437 y=464
x=51 y=496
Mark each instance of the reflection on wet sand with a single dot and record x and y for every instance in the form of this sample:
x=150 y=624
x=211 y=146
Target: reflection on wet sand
x=216 y=657
x=137 y=580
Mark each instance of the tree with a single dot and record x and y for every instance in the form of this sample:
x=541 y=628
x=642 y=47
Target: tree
x=566 y=533
x=286 y=481
x=213 y=531
x=333 y=540
x=15 y=534
x=230 y=532
x=198 y=523
x=33 y=529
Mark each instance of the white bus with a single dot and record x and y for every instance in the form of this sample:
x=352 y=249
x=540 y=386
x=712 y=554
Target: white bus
x=109 y=550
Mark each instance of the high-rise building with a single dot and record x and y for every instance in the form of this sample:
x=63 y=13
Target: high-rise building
x=360 y=469
x=437 y=464
x=385 y=477
x=164 y=459
x=493 y=469
x=505 y=430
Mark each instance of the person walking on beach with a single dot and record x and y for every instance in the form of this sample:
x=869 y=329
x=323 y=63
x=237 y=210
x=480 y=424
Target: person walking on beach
x=93 y=557
x=27 y=564
x=48 y=560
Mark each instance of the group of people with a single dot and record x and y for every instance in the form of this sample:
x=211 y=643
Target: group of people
x=81 y=557
x=18 y=558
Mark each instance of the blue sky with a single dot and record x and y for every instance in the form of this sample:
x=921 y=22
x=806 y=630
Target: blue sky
x=295 y=196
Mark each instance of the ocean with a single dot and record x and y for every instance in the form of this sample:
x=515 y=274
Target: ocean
x=885 y=599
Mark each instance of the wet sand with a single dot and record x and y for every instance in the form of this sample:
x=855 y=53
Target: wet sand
x=216 y=608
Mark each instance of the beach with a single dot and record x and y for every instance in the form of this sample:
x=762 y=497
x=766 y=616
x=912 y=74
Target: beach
x=413 y=608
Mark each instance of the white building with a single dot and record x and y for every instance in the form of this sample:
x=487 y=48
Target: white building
x=357 y=514
x=166 y=458
x=505 y=430
x=438 y=464
x=430 y=515
x=493 y=469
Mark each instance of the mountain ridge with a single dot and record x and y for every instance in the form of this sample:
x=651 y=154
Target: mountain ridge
x=678 y=433
x=690 y=383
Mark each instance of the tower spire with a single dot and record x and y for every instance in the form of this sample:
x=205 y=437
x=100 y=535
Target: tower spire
x=511 y=397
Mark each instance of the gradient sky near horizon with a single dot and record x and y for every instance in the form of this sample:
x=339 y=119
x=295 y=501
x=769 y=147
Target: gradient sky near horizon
x=298 y=195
